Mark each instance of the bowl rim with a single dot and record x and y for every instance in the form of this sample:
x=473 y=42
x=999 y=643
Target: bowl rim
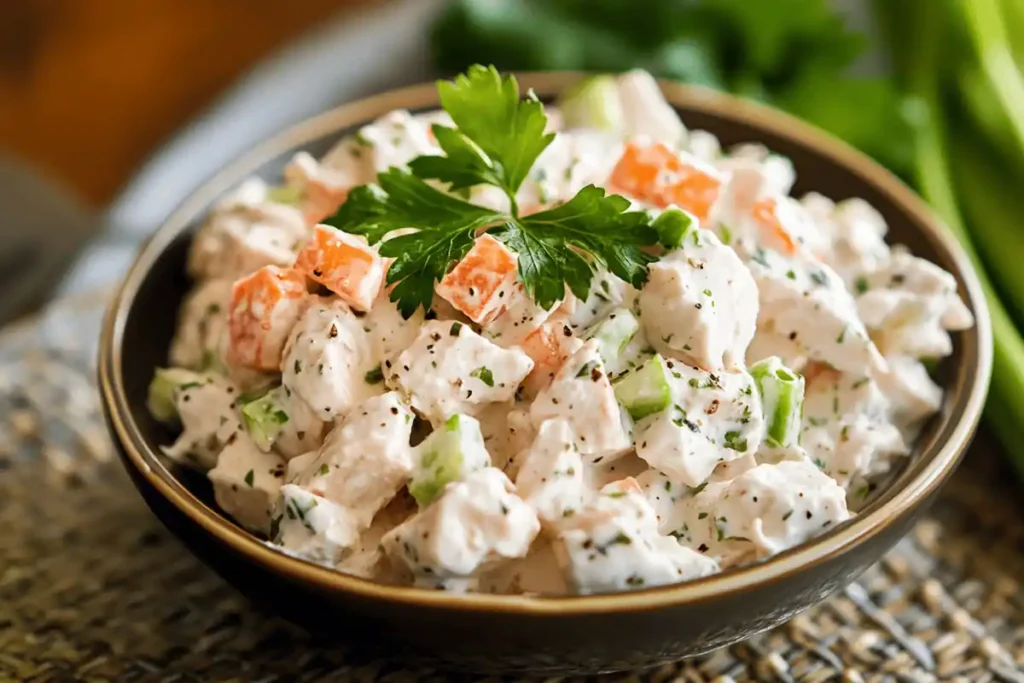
x=939 y=460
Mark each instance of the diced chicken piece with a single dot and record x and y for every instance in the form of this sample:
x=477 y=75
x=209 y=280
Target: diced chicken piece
x=713 y=418
x=753 y=212
x=705 y=146
x=847 y=429
x=450 y=369
x=666 y=498
x=550 y=477
x=912 y=394
x=208 y=412
x=910 y=305
x=805 y=301
x=657 y=175
x=727 y=471
x=777 y=507
x=202 y=324
x=395 y=139
x=476 y=523
x=390 y=332
x=246 y=482
x=365 y=460
x=549 y=346
x=329 y=361
x=854 y=235
x=366 y=559
x=320 y=189
x=700 y=304
x=582 y=394
x=311 y=527
x=392 y=140
x=607 y=293
x=768 y=342
x=264 y=307
x=645 y=111
x=574 y=159
x=481 y=284
x=522 y=317
x=345 y=264
x=499 y=440
x=766 y=173
x=519 y=436
x=613 y=545
x=298 y=465
x=241 y=238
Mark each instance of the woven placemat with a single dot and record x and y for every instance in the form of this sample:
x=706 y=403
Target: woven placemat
x=92 y=588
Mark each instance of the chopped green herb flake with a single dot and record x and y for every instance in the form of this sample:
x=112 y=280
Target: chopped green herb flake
x=483 y=373
x=375 y=376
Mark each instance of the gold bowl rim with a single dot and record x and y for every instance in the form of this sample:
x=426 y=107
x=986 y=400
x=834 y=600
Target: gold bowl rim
x=940 y=459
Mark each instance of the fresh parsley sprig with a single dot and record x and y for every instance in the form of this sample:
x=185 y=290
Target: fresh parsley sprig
x=497 y=139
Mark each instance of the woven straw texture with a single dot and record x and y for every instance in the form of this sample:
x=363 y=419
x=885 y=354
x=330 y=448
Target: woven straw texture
x=92 y=588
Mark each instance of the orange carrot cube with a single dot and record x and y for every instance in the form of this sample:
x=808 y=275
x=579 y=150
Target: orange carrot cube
x=657 y=175
x=548 y=346
x=344 y=264
x=479 y=285
x=264 y=307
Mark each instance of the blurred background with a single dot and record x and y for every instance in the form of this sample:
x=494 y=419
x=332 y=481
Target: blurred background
x=112 y=111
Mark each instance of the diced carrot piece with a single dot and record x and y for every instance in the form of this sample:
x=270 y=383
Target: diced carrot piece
x=548 y=346
x=321 y=201
x=344 y=264
x=765 y=212
x=657 y=175
x=479 y=284
x=264 y=307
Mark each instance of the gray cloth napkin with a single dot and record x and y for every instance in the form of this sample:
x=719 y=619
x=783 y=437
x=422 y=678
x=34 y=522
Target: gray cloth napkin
x=357 y=54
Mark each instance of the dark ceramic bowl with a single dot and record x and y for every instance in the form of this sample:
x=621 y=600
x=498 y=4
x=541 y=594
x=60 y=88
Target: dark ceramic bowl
x=515 y=633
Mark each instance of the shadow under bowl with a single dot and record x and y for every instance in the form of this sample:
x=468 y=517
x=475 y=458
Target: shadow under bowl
x=489 y=633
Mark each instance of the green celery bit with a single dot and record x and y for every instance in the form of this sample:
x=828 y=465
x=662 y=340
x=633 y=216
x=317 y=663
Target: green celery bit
x=645 y=391
x=593 y=103
x=672 y=226
x=264 y=418
x=163 y=389
x=782 y=396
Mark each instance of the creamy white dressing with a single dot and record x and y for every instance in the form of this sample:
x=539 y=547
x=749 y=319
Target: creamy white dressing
x=506 y=391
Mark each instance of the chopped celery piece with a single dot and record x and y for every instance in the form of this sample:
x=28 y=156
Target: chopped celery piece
x=264 y=418
x=672 y=225
x=285 y=195
x=163 y=390
x=614 y=333
x=782 y=395
x=645 y=391
x=593 y=103
x=451 y=452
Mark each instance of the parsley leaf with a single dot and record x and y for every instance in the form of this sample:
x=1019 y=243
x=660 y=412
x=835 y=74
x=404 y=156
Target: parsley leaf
x=498 y=138
x=445 y=230
x=562 y=246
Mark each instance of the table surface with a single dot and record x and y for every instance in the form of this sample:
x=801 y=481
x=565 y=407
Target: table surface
x=88 y=88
